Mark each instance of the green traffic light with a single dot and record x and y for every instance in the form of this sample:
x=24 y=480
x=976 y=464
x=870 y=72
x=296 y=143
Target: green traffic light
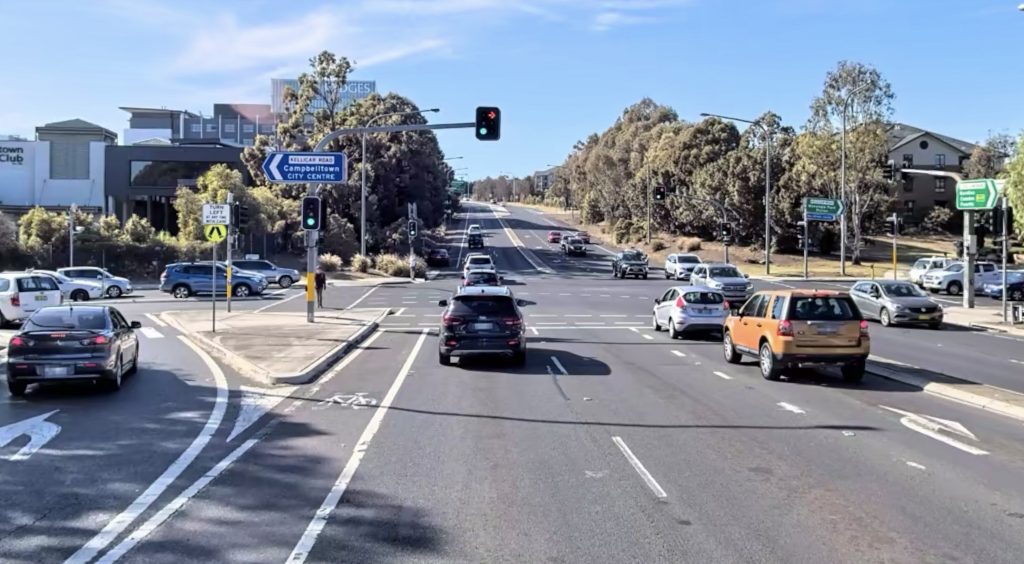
x=310 y=221
x=483 y=131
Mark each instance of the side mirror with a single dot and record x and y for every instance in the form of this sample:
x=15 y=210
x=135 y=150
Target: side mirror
x=463 y=276
x=136 y=325
x=745 y=275
x=522 y=303
x=501 y=280
x=657 y=300
x=442 y=303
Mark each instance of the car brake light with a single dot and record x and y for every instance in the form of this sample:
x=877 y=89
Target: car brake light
x=863 y=328
x=680 y=302
x=17 y=342
x=15 y=300
x=785 y=328
x=513 y=322
x=97 y=340
x=451 y=320
x=725 y=304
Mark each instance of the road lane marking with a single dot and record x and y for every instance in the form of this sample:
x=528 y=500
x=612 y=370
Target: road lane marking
x=550 y=323
x=931 y=427
x=578 y=315
x=523 y=250
x=543 y=315
x=399 y=312
x=1015 y=361
x=625 y=297
x=913 y=464
x=648 y=337
x=38 y=430
x=316 y=525
x=791 y=407
x=534 y=329
x=151 y=332
x=279 y=302
x=616 y=315
x=605 y=295
x=121 y=522
x=156 y=320
x=722 y=375
x=640 y=469
x=363 y=297
x=559 y=366
x=679 y=354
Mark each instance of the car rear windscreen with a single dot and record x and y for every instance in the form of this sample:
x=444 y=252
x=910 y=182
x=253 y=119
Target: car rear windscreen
x=66 y=318
x=480 y=260
x=705 y=298
x=489 y=277
x=483 y=305
x=822 y=308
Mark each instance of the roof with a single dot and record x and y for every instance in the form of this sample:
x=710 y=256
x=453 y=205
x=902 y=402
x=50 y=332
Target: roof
x=900 y=134
x=76 y=124
x=140 y=110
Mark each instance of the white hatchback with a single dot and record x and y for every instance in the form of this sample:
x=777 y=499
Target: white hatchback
x=690 y=308
x=22 y=293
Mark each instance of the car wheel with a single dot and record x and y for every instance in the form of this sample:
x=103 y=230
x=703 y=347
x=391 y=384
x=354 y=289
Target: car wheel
x=444 y=359
x=181 y=291
x=766 y=359
x=285 y=281
x=1017 y=295
x=885 y=317
x=672 y=332
x=732 y=356
x=519 y=359
x=79 y=296
x=667 y=275
x=3 y=320
x=242 y=291
x=654 y=323
x=17 y=389
x=114 y=379
x=853 y=373
x=114 y=292
x=954 y=288
x=645 y=277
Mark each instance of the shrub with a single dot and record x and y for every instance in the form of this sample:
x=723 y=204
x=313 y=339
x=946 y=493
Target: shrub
x=360 y=263
x=657 y=245
x=937 y=220
x=329 y=262
x=392 y=265
x=688 y=244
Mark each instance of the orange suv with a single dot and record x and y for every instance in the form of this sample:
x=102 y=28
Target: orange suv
x=789 y=328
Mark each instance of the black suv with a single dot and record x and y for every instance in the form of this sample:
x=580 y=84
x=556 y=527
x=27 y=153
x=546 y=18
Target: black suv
x=475 y=241
x=629 y=263
x=573 y=246
x=482 y=320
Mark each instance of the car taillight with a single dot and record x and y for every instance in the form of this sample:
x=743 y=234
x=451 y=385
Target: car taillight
x=785 y=328
x=680 y=302
x=17 y=342
x=863 y=328
x=512 y=322
x=15 y=300
x=725 y=304
x=97 y=340
x=451 y=320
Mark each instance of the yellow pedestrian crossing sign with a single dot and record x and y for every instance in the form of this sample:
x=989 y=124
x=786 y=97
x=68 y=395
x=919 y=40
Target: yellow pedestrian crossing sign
x=215 y=232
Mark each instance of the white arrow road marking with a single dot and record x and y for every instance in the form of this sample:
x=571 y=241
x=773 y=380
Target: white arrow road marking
x=933 y=427
x=256 y=402
x=791 y=407
x=39 y=431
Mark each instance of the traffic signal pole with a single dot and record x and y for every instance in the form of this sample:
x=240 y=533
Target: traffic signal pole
x=232 y=233
x=1006 y=229
x=895 y=233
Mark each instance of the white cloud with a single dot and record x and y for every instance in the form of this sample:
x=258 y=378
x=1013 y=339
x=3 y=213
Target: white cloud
x=401 y=52
x=606 y=20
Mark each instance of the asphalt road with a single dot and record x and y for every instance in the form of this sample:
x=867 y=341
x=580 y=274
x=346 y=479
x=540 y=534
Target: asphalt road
x=613 y=443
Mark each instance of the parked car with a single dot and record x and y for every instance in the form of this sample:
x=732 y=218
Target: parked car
x=475 y=241
x=482 y=320
x=725 y=278
x=113 y=286
x=951 y=278
x=630 y=262
x=681 y=265
x=689 y=308
x=554 y=236
x=182 y=280
x=22 y=293
x=894 y=302
x=573 y=246
x=789 y=328
x=72 y=343
x=925 y=265
x=283 y=277
x=1014 y=287
x=74 y=290
x=438 y=257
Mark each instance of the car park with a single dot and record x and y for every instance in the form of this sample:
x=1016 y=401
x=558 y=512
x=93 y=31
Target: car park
x=554 y=236
x=896 y=302
x=482 y=320
x=182 y=280
x=790 y=328
x=725 y=278
x=72 y=343
x=573 y=246
x=113 y=286
x=681 y=265
x=925 y=265
x=951 y=278
x=22 y=293
x=283 y=277
x=684 y=309
x=630 y=262
x=74 y=290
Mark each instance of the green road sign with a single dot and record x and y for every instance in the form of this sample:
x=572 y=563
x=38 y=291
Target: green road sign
x=977 y=194
x=823 y=209
x=459 y=186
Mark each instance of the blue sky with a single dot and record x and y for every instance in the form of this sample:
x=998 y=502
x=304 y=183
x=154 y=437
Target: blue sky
x=559 y=69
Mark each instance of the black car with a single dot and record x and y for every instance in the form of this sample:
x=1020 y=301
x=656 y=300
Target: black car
x=482 y=320
x=72 y=343
x=475 y=241
x=438 y=257
x=629 y=263
x=573 y=246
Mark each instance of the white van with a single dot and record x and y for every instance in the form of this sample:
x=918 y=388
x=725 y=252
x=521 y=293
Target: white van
x=22 y=293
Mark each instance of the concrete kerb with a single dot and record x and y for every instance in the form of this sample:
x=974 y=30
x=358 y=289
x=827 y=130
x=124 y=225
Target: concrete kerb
x=947 y=391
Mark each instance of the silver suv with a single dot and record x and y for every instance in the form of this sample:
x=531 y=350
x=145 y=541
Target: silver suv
x=283 y=277
x=726 y=279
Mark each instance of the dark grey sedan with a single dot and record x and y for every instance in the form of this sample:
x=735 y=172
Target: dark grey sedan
x=895 y=302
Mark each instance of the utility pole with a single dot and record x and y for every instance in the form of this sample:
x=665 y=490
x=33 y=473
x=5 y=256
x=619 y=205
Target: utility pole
x=1006 y=229
x=649 y=205
x=71 y=234
x=895 y=233
x=230 y=240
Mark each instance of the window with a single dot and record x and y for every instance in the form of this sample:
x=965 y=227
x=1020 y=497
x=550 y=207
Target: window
x=751 y=306
x=484 y=305
x=46 y=283
x=908 y=206
x=248 y=128
x=940 y=160
x=229 y=128
x=940 y=184
x=777 y=307
x=725 y=272
x=267 y=128
x=166 y=173
x=703 y=298
x=211 y=128
x=822 y=309
x=118 y=319
x=669 y=294
x=863 y=286
x=5 y=284
x=908 y=160
x=69 y=318
x=196 y=128
x=923 y=144
x=689 y=259
x=672 y=258
x=762 y=307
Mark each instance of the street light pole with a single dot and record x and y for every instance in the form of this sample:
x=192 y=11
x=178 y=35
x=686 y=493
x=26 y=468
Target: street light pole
x=362 y=188
x=842 y=184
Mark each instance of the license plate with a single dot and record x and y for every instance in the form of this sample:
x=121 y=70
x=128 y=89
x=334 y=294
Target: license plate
x=483 y=326
x=41 y=298
x=923 y=316
x=827 y=330
x=52 y=371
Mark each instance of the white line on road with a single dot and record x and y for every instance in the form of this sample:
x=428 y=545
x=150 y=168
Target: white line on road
x=279 y=302
x=543 y=315
x=615 y=315
x=534 y=329
x=559 y=366
x=605 y=295
x=635 y=330
x=121 y=522
x=363 y=297
x=913 y=464
x=564 y=294
x=722 y=375
x=578 y=315
x=151 y=332
x=679 y=354
x=1015 y=361
x=156 y=320
x=550 y=323
x=791 y=407
x=305 y=544
x=648 y=337
x=399 y=312
x=639 y=467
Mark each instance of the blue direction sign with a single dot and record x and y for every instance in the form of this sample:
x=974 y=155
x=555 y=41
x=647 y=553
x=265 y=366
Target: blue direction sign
x=299 y=168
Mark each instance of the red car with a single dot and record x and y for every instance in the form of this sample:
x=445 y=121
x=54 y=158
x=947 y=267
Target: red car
x=554 y=236
x=584 y=236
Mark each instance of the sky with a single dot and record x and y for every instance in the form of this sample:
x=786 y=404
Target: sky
x=558 y=69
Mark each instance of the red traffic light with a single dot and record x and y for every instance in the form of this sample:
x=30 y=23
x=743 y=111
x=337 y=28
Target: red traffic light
x=488 y=123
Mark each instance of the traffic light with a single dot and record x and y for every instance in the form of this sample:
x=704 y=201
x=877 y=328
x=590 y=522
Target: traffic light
x=311 y=217
x=893 y=224
x=888 y=170
x=996 y=217
x=725 y=229
x=240 y=217
x=801 y=228
x=659 y=193
x=412 y=228
x=488 y=123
